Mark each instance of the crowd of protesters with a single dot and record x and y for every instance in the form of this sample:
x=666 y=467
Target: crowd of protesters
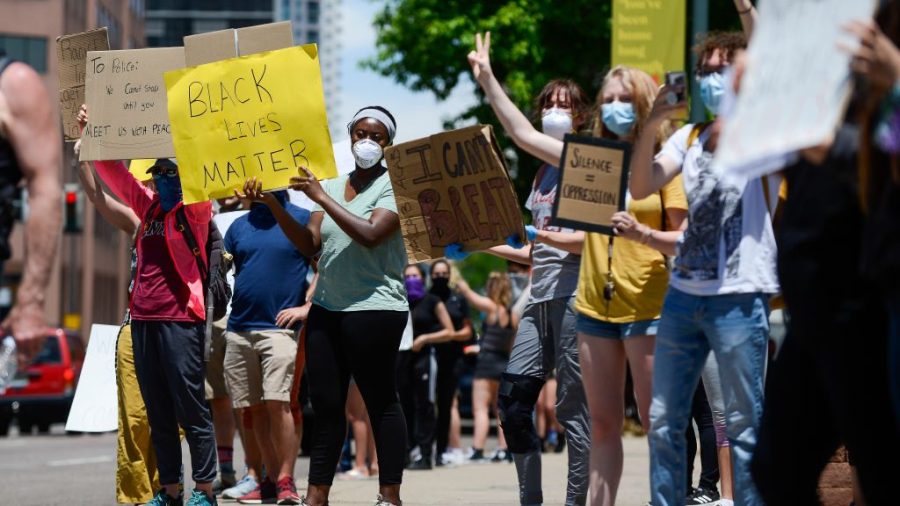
x=675 y=304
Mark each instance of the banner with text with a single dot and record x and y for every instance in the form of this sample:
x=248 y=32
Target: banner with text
x=126 y=100
x=649 y=35
x=593 y=182
x=261 y=115
x=450 y=188
x=95 y=407
x=780 y=110
x=71 y=53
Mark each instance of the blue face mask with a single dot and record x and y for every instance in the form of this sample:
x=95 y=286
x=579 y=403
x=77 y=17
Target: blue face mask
x=712 y=89
x=169 y=190
x=618 y=117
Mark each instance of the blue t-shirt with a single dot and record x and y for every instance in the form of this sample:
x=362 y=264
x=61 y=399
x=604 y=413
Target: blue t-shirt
x=269 y=272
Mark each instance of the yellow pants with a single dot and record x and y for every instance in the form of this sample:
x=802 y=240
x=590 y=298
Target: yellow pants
x=137 y=478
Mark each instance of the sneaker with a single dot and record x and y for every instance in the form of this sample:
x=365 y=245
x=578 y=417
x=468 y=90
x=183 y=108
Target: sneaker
x=501 y=455
x=477 y=457
x=420 y=464
x=199 y=498
x=245 y=486
x=265 y=493
x=224 y=481
x=381 y=501
x=454 y=457
x=702 y=496
x=163 y=499
x=287 y=491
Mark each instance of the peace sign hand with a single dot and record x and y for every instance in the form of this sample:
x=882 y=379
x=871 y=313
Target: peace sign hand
x=307 y=183
x=480 y=58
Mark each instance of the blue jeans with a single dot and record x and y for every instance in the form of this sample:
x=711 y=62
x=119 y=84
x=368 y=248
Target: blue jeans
x=736 y=329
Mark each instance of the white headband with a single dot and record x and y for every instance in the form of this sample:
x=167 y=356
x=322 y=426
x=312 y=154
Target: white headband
x=375 y=114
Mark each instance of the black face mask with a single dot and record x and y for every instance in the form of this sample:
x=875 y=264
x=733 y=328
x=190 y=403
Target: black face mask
x=440 y=286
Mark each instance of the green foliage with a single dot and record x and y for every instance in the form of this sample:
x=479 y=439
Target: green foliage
x=423 y=44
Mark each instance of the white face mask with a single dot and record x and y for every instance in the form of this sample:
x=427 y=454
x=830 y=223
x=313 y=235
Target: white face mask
x=367 y=153
x=556 y=123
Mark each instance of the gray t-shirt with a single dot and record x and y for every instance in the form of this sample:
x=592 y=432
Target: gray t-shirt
x=554 y=272
x=353 y=277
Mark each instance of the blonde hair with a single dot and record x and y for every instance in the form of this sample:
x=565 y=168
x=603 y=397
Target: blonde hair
x=499 y=289
x=643 y=93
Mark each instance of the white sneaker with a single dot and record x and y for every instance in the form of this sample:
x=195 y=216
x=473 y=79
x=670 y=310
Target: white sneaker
x=245 y=486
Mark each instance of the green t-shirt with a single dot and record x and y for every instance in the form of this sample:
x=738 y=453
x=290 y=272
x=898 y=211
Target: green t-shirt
x=352 y=276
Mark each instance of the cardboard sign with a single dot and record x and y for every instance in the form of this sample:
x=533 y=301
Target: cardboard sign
x=71 y=53
x=223 y=44
x=95 y=406
x=782 y=108
x=450 y=188
x=649 y=35
x=261 y=115
x=593 y=182
x=126 y=99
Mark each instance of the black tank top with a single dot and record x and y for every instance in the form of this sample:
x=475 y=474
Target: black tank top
x=10 y=175
x=497 y=338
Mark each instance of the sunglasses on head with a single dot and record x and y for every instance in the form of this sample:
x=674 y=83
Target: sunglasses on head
x=164 y=171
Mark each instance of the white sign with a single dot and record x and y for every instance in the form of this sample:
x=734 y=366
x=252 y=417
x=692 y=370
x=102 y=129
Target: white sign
x=796 y=85
x=95 y=406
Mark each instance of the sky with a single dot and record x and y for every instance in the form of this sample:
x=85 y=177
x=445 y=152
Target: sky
x=418 y=114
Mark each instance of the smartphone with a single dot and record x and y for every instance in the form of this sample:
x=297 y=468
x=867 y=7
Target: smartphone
x=678 y=82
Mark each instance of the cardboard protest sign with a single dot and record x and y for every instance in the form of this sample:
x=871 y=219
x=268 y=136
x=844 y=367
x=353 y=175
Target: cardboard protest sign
x=593 y=182
x=95 y=406
x=223 y=44
x=790 y=99
x=126 y=100
x=261 y=115
x=71 y=52
x=450 y=188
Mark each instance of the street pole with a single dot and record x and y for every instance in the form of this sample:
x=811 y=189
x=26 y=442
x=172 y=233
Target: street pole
x=700 y=25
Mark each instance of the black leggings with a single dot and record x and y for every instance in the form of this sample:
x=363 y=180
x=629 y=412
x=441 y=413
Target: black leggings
x=448 y=356
x=362 y=344
x=709 y=452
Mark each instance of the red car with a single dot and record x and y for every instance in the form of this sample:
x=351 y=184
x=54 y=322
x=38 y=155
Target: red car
x=42 y=394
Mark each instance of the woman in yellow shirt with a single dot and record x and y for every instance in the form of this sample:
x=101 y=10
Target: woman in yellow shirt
x=621 y=286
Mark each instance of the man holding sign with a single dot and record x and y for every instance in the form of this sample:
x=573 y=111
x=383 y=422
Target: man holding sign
x=168 y=314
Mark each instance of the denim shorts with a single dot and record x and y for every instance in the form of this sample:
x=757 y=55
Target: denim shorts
x=621 y=331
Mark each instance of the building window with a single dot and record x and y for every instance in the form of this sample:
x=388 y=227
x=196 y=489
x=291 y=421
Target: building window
x=105 y=18
x=312 y=13
x=312 y=36
x=31 y=50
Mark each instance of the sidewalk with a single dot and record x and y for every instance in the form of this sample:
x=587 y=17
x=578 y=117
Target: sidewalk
x=491 y=484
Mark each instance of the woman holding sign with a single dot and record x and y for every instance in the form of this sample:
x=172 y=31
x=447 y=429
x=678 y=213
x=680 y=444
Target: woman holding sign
x=359 y=307
x=621 y=283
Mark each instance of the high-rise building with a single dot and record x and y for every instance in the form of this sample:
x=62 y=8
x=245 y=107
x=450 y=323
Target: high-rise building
x=89 y=283
x=319 y=22
x=168 y=21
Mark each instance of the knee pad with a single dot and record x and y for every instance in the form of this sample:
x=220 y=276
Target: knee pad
x=517 y=396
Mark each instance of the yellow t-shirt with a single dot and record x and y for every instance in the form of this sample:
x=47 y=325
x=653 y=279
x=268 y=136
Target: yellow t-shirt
x=639 y=271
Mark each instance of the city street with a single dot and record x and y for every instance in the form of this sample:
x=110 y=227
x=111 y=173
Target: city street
x=80 y=470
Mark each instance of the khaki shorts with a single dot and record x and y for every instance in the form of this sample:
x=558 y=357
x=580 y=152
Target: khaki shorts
x=259 y=365
x=215 y=368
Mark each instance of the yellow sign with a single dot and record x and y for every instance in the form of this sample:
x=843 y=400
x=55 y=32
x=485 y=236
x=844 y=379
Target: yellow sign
x=72 y=321
x=138 y=168
x=259 y=115
x=649 y=35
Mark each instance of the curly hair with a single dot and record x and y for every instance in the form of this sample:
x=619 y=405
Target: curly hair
x=578 y=99
x=728 y=43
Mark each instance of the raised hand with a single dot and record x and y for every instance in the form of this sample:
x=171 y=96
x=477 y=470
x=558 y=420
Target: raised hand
x=877 y=58
x=307 y=183
x=480 y=58
x=253 y=191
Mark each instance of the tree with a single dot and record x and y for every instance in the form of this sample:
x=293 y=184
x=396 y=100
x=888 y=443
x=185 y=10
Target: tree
x=422 y=44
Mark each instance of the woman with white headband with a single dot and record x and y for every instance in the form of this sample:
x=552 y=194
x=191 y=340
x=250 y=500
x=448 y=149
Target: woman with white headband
x=359 y=308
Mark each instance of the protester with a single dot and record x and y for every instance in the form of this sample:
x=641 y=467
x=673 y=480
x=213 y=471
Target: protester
x=365 y=457
x=707 y=491
x=498 y=329
x=448 y=354
x=167 y=320
x=270 y=276
x=831 y=366
x=30 y=153
x=546 y=335
x=723 y=276
x=355 y=229
x=136 y=474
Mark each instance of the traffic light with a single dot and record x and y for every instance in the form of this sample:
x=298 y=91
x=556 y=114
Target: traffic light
x=72 y=210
